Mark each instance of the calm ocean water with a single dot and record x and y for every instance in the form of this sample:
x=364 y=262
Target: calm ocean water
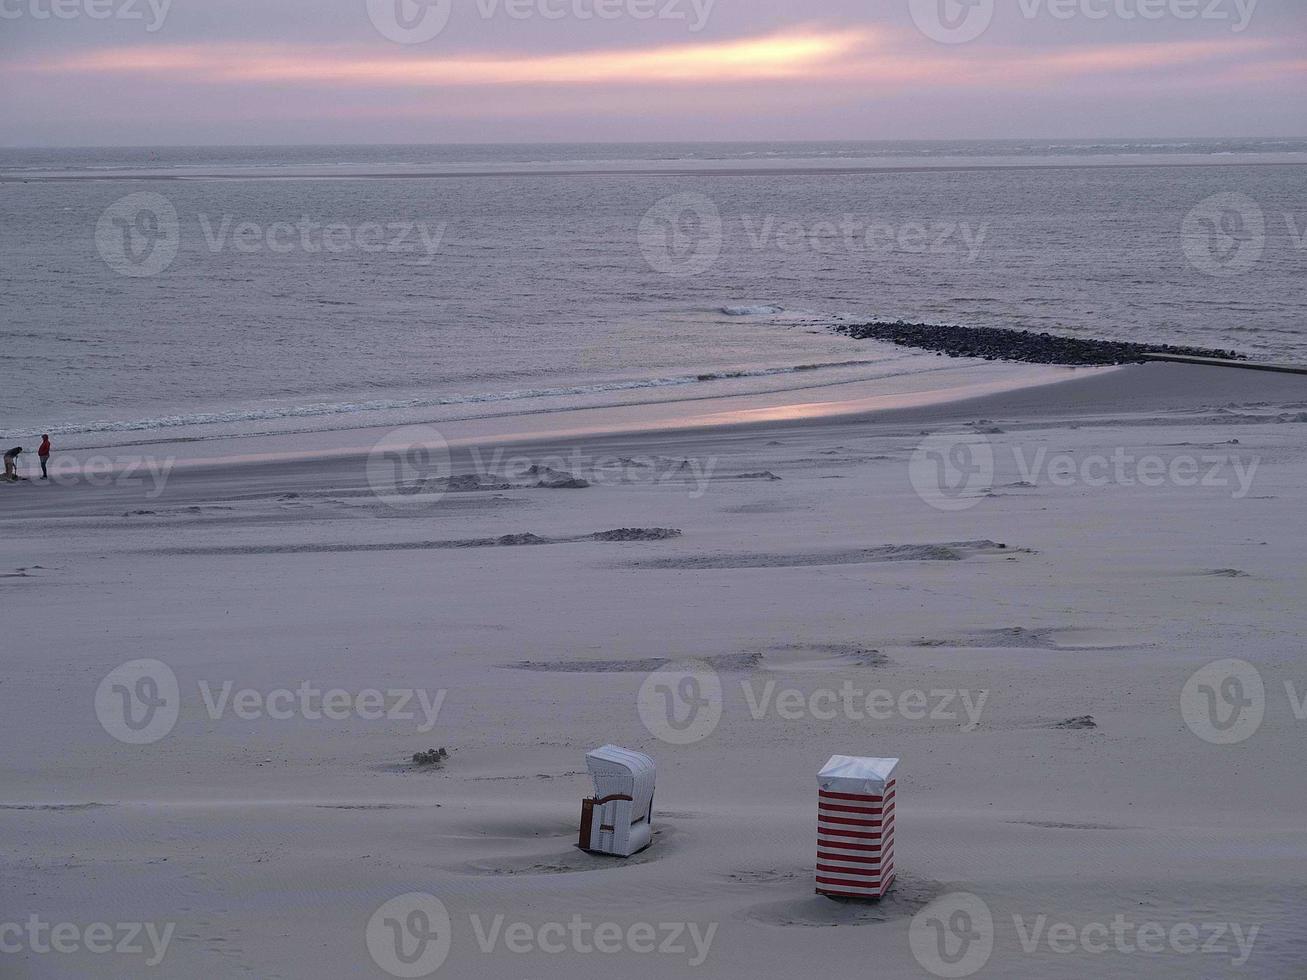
x=200 y=292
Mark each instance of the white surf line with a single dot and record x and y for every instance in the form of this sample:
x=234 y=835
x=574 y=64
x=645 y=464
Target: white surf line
x=1226 y=363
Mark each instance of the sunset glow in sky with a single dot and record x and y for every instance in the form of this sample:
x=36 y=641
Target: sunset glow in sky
x=215 y=71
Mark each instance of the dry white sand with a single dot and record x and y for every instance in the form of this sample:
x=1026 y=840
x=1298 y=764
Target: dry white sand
x=807 y=563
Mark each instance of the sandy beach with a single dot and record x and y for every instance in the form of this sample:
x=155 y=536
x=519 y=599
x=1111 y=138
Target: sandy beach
x=1028 y=641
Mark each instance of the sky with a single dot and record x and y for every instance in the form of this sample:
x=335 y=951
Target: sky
x=231 y=72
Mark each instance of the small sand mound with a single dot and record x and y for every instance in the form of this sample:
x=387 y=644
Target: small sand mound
x=953 y=551
x=575 y=860
x=726 y=662
x=56 y=807
x=1061 y=825
x=647 y=666
x=637 y=534
x=548 y=478
x=764 y=507
x=1028 y=638
x=792 y=657
x=908 y=897
x=516 y=540
x=1083 y=723
x=471 y=483
x=768 y=876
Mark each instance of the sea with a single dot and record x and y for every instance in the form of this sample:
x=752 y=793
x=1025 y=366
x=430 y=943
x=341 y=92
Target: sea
x=202 y=292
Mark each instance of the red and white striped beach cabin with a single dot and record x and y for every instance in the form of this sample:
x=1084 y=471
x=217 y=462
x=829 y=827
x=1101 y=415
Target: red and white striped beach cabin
x=855 y=827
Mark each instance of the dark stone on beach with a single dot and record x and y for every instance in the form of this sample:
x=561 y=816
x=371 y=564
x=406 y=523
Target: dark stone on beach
x=994 y=343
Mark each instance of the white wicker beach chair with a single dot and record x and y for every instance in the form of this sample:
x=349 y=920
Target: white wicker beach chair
x=619 y=818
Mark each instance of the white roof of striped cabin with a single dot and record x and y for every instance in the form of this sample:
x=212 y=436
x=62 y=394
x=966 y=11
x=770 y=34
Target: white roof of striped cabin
x=855 y=774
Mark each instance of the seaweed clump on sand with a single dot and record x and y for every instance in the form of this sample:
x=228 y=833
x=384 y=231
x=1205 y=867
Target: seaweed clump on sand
x=999 y=344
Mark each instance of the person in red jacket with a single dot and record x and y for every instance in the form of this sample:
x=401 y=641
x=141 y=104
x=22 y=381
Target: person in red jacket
x=43 y=454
